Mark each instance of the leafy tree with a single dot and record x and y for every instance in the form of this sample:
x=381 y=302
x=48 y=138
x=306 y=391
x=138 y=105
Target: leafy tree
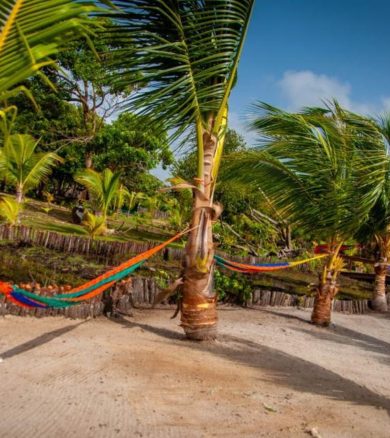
x=186 y=167
x=22 y=167
x=50 y=117
x=324 y=168
x=188 y=53
x=85 y=80
x=132 y=146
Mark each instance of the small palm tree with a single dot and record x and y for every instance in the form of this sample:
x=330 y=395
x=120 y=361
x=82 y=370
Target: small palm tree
x=377 y=229
x=9 y=210
x=103 y=187
x=324 y=169
x=22 y=167
x=94 y=225
x=188 y=53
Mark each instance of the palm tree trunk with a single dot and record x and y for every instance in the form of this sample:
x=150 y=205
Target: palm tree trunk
x=322 y=310
x=199 y=301
x=19 y=193
x=327 y=288
x=199 y=313
x=89 y=160
x=379 y=302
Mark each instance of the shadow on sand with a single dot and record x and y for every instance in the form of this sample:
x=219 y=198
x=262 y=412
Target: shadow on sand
x=37 y=342
x=281 y=368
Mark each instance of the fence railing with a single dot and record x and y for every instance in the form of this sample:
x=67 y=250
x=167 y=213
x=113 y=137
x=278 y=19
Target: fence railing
x=144 y=291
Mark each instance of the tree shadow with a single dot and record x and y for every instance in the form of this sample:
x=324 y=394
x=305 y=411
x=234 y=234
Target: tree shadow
x=344 y=336
x=281 y=368
x=284 y=315
x=37 y=342
x=159 y=331
x=341 y=335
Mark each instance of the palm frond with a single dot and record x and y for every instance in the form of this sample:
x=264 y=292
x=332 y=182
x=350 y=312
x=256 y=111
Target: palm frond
x=188 y=52
x=20 y=164
x=104 y=186
x=324 y=170
x=9 y=209
x=31 y=31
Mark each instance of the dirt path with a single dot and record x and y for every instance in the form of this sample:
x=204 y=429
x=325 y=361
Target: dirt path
x=270 y=374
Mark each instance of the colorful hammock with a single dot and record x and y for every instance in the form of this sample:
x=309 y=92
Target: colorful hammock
x=91 y=289
x=263 y=267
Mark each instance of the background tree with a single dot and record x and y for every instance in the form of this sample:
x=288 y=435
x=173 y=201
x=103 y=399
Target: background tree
x=86 y=81
x=324 y=168
x=133 y=146
x=188 y=53
x=21 y=166
x=104 y=188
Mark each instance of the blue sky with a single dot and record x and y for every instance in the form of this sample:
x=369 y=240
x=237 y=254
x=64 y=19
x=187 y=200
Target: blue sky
x=299 y=52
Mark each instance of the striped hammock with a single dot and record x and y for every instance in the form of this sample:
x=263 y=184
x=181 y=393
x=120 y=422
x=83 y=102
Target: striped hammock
x=262 y=267
x=91 y=289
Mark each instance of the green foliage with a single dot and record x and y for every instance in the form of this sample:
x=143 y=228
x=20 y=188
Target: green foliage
x=94 y=225
x=131 y=145
x=186 y=167
x=233 y=287
x=103 y=187
x=27 y=45
x=21 y=166
x=323 y=168
x=9 y=210
x=188 y=54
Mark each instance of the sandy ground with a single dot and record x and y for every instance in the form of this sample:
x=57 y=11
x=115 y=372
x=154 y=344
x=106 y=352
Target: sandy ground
x=269 y=374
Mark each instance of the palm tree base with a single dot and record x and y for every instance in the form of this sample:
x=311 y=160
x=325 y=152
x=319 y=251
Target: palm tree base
x=379 y=304
x=202 y=334
x=322 y=310
x=199 y=320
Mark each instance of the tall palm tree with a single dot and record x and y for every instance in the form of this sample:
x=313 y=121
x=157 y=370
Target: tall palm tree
x=31 y=31
x=104 y=188
x=324 y=168
x=188 y=52
x=22 y=167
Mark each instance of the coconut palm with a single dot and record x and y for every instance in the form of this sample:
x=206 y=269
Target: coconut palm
x=324 y=169
x=104 y=188
x=9 y=209
x=377 y=229
x=188 y=52
x=31 y=32
x=22 y=167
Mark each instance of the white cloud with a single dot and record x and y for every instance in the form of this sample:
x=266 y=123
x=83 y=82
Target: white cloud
x=239 y=124
x=306 y=88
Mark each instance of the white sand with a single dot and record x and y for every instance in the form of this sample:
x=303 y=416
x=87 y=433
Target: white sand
x=270 y=374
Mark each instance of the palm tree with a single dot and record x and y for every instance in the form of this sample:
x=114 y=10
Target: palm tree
x=377 y=229
x=31 y=32
x=22 y=167
x=324 y=169
x=104 y=188
x=188 y=52
x=9 y=209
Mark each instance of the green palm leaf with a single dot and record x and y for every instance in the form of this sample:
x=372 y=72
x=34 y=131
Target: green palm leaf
x=324 y=169
x=31 y=31
x=188 y=52
x=104 y=187
x=22 y=166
